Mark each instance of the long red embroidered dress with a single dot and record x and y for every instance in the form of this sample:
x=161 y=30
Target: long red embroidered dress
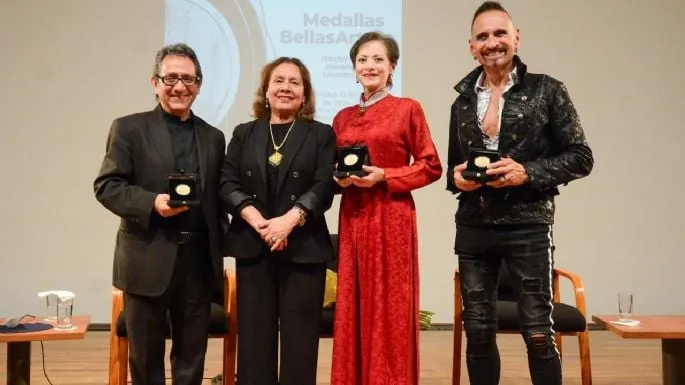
x=376 y=316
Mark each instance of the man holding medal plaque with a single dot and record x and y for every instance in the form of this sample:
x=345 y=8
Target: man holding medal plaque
x=160 y=175
x=514 y=137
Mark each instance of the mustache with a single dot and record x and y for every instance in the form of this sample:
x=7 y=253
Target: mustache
x=494 y=50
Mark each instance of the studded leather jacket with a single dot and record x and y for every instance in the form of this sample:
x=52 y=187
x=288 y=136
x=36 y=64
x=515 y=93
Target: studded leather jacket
x=540 y=129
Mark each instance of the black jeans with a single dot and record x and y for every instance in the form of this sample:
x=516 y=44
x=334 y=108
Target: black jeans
x=527 y=251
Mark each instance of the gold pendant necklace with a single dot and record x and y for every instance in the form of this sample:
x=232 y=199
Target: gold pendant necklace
x=276 y=158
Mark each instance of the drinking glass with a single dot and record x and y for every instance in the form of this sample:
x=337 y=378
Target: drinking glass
x=625 y=306
x=65 y=310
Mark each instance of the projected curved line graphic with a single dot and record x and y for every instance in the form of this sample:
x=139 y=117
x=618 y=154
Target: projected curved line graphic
x=199 y=24
x=235 y=38
x=228 y=59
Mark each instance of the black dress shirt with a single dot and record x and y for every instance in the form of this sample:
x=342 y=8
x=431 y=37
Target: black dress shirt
x=184 y=146
x=279 y=132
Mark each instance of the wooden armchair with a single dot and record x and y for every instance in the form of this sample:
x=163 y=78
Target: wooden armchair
x=223 y=324
x=568 y=320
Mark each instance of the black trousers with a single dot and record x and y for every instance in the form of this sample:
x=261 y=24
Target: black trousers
x=275 y=294
x=528 y=252
x=185 y=306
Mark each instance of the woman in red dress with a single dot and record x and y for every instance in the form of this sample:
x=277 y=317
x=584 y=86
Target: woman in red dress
x=376 y=317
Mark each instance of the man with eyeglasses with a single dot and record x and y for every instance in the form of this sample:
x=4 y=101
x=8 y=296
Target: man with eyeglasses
x=160 y=176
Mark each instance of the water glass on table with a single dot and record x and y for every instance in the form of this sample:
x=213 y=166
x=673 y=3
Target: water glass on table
x=65 y=309
x=625 y=307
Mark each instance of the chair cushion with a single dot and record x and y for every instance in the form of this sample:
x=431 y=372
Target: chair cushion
x=218 y=322
x=566 y=317
x=327 y=320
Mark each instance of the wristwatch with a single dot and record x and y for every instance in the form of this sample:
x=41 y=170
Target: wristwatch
x=302 y=214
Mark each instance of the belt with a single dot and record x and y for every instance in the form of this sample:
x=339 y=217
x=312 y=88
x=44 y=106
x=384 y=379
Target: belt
x=188 y=237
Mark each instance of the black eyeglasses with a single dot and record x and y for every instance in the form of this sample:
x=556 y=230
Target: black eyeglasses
x=171 y=80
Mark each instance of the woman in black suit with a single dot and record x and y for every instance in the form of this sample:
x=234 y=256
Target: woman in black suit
x=276 y=183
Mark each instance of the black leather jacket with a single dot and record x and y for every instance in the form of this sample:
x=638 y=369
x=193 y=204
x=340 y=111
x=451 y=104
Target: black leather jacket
x=540 y=129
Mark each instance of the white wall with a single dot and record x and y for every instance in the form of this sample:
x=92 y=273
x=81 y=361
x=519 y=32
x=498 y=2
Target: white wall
x=70 y=67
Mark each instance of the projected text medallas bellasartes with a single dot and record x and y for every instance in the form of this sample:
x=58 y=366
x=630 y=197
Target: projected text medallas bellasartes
x=316 y=20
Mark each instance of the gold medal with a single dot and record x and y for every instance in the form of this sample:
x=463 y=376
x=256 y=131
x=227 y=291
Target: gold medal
x=482 y=161
x=351 y=160
x=275 y=158
x=182 y=189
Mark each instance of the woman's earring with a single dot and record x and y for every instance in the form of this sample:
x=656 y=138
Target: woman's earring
x=266 y=101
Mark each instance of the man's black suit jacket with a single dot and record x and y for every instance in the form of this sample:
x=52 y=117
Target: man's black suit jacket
x=305 y=178
x=138 y=158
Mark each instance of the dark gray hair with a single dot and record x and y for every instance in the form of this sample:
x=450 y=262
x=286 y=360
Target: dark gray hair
x=179 y=49
x=488 y=6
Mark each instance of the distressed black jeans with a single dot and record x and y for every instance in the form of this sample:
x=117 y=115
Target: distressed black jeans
x=527 y=251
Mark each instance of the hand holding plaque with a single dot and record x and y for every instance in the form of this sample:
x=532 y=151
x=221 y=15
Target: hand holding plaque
x=183 y=190
x=478 y=162
x=350 y=161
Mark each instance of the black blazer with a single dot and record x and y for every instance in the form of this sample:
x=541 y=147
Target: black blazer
x=138 y=157
x=305 y=178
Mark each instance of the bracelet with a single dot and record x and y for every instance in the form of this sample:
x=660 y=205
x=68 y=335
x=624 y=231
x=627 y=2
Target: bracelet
x=303 y=216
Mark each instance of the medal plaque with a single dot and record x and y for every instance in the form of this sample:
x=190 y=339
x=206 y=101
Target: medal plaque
x=183 y=190
x=350 y=161
x=479 y=160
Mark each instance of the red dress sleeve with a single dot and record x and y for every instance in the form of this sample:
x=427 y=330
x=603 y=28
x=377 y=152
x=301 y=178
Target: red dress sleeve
x=426 y=167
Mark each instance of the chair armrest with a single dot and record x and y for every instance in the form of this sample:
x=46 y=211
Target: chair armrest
x=117 y=306
x=578 y=288
x=115 y=365
x=230 y=298
x=230 y=340
x=457 y=297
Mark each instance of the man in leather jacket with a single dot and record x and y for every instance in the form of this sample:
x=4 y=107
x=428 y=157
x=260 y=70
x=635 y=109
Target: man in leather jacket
x=530 y=120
